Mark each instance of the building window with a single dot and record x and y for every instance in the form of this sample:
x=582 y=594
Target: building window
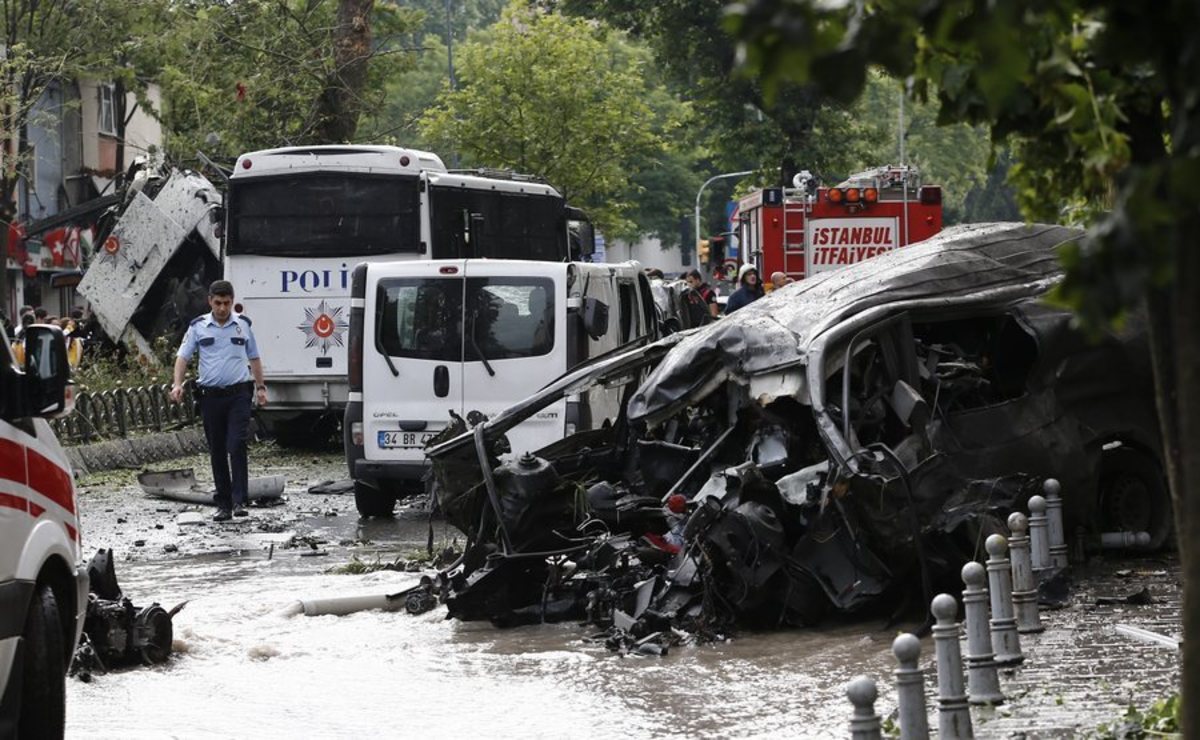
x=108 y=116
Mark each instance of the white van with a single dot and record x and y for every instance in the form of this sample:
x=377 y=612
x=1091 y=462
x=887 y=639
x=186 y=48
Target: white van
x=472 y=337
x=43 y=586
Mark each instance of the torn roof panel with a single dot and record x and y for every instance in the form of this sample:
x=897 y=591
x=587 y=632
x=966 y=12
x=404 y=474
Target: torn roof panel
x=145 y=237
x=961 y=264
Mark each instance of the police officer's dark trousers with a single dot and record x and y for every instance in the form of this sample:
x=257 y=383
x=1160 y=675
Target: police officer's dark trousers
x=226 y=414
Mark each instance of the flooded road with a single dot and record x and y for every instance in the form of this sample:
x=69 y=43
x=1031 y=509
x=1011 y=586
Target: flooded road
x=243 y=669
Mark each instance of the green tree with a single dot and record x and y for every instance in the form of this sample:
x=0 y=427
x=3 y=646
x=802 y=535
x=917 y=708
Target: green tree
x=461 y=17
x=1100 y=98
x=954 y=156
x=266 y=73
x=548 y=95
x=736 y=125
x=408 y=95
x=661 y=187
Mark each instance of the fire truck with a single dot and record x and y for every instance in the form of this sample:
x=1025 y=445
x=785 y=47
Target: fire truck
x=808 y=229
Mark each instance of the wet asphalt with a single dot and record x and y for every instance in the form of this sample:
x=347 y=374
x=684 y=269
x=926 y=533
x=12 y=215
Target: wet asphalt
x=243 y=668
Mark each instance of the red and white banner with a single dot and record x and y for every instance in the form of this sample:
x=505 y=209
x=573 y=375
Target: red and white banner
x=837 y=242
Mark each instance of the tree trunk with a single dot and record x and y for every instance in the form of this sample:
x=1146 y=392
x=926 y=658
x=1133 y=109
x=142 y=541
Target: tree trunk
x=341 y=102
x=1175 y=344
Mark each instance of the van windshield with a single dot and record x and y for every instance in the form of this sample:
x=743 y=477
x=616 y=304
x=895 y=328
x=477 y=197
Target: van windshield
x=505 y=318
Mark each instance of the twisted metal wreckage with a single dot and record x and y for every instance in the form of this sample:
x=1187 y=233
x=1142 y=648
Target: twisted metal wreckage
x=849 y=437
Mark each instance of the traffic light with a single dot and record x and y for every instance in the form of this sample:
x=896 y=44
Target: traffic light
x=702 y=252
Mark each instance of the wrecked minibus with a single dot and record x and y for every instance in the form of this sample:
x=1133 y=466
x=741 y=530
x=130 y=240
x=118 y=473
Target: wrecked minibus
x=844 y=443
x=43 y=585
x=436 y=340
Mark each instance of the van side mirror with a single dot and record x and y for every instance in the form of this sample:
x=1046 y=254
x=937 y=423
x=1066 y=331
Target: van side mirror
x=47 y=372
x=595 y=317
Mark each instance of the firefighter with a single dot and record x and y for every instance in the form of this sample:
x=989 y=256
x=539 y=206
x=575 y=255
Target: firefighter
x=749 y=289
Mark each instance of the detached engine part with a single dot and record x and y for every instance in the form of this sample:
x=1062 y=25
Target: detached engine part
x=117 y=633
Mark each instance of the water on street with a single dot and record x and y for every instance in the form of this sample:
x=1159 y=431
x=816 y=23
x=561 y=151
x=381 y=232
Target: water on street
x=242 y=668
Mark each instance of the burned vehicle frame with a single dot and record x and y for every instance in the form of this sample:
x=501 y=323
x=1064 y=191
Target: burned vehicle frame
x=847 y=438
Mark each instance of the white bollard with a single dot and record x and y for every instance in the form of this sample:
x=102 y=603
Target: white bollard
x=1005 y=639
x=983 y=682
x=910 y=688
x=1123 y=540
x=865 y=723
x=1056 y=535
x=1039 y=537
x=1025 y=595
x=954 y=714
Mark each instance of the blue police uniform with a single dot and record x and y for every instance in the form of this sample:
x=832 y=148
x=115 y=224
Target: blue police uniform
x=227 y=397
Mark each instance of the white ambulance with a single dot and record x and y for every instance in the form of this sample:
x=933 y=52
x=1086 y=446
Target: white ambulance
x=472 y=338
x=43 y=586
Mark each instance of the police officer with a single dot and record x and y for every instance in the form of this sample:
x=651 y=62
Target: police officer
x=226 y=345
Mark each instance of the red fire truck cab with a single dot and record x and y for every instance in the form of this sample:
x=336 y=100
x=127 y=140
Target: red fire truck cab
x=807 y=229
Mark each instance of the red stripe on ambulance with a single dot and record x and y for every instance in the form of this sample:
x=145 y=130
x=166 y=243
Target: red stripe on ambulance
x=9 y=501
x=48 y=479
x=12 y=461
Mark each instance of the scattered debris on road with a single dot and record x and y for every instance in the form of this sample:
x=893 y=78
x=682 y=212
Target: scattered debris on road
x=180 y=485
x=116 y=633
x=843 y=444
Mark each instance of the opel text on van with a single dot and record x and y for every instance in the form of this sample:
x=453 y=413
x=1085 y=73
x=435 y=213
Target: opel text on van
x=472 y=337
x=43 y=587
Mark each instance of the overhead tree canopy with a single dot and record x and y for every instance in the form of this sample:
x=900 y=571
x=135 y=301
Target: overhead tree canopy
x=267 y=73
x=552 y=96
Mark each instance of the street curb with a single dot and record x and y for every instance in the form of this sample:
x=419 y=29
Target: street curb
x=135 y=452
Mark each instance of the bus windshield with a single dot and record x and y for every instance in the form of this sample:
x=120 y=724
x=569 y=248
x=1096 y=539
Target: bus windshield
x=327 y=214
x=504 y=318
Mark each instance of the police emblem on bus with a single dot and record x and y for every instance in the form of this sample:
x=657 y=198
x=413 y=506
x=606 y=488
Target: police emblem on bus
x=323 y=327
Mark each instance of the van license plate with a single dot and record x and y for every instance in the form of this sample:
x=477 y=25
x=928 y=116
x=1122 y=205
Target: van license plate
x=404 y=439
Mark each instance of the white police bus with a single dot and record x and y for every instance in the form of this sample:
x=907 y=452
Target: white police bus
x=299 y=219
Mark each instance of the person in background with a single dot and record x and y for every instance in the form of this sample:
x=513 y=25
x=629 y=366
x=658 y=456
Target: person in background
x=704 y=296
x=26 y=321
x=779 y=279
x=749 y=289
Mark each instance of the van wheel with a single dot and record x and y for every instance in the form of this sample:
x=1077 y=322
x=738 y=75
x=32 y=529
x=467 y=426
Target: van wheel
x=44 y=675
x=371 y=501
x=1134 y=495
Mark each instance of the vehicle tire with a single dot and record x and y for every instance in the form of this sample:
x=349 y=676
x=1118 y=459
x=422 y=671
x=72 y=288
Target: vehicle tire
x=371 y=501
x=1134 y=496
x=44 y=674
